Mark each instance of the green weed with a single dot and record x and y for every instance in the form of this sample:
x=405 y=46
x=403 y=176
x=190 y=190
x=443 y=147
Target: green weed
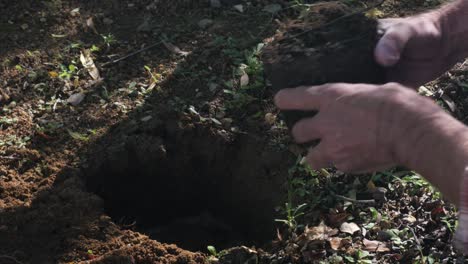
x=109 y=39
x=68 y=72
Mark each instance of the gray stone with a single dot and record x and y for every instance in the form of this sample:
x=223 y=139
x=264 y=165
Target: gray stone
x=204 y=23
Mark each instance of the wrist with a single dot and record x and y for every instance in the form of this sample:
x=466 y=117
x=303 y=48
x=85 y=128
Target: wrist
x=438 y=150
x=452 y=19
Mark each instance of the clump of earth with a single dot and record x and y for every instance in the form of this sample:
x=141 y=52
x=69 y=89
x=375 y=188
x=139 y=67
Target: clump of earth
x=329 y=44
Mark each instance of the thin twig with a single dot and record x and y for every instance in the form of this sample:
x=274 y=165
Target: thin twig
x=132 y=54
x=416 y=238
x=10 y=258
x=9 y=157
x=353 y=200
x=339 y=19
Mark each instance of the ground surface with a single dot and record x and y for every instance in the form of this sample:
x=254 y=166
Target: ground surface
x=101 y=158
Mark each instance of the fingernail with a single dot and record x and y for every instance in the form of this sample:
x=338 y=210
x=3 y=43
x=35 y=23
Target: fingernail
x=387 y=55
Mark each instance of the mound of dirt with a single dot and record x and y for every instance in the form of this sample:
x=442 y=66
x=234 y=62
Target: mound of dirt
x=186 y=182
x=329 y=44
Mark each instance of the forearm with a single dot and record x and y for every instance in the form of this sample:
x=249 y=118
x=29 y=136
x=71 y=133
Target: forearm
x=439 y=152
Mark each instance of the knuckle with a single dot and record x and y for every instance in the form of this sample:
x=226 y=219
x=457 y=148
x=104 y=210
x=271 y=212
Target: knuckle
x=335 y=90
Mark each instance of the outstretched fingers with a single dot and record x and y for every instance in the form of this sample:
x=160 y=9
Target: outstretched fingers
x=311 y=97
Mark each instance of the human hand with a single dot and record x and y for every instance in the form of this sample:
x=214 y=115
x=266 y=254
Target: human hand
x=361 y=127
x=415 y=50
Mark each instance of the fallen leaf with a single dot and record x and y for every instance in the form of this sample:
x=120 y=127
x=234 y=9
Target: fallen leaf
x=44 y=135
x=320 y=232
x=239 y=8
x=375 y=246
x=146 y=118
x=410 y=219
x=335 y=243
x=336 y=218
x=59 y=35
x=90 y=24
x=449 y=102
x=53 y=74
x=273 y=8
x=76 y=99
x=216 y=121
x=371 y=186
x=349 y=228
x=175 y=49
x=244 y=80
x=89 y=65
x=422 y=90
x=75 y=12
x=270 y=118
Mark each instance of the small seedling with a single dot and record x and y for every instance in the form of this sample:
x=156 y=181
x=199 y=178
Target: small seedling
x=67 y=72
x=292 y=214
x=94 y=48
x=154 y=77
x=109 y=39
x=212 y=251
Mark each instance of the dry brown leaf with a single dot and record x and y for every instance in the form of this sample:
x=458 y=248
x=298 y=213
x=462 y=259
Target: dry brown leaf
x=375 y=246
x=320 y=232
x=270 y=118
x=90 y=24
x=175 y=49
x=371 y=186
x=349 y=228
x=335 y=219
x=335 y=243
x=89 y=65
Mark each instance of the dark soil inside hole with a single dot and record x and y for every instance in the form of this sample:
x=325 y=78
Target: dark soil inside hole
x=183 y=182
x=331 y=44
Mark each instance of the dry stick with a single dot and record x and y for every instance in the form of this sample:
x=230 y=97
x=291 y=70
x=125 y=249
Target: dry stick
x=353 y=200
x=133 y=53
x=9 y=157
x=339 y=19
x=10 y=258
x=417 y=242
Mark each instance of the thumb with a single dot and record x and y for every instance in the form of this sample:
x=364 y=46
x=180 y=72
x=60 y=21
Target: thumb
x=390 y=47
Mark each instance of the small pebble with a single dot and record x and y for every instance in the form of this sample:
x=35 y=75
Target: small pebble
x=204 y=23
x=108 y=21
